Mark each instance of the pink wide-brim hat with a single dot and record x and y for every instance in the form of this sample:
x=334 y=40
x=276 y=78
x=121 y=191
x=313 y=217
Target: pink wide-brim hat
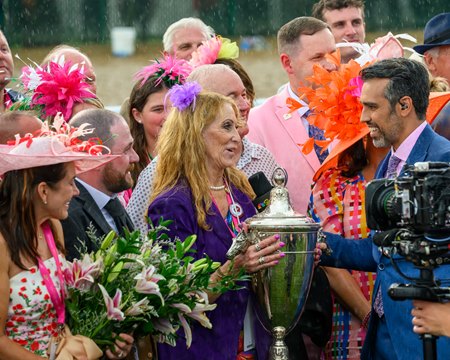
x=43 y=151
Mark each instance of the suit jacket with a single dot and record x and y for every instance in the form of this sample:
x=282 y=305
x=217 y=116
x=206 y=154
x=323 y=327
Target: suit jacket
x=281 y=133
x=364 y=255
x=84 y=213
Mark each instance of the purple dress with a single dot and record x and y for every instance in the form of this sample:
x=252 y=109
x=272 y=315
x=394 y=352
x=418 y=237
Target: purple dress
x=220 y=342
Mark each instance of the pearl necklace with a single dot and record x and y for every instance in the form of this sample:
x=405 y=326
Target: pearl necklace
x=217 y=188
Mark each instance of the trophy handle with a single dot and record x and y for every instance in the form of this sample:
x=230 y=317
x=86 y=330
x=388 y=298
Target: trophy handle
x=240 y=244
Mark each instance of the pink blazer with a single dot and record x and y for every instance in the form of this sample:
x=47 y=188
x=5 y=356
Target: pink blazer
x=273 y=127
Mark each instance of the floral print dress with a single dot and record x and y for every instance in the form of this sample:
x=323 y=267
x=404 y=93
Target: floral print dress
x=32 y=319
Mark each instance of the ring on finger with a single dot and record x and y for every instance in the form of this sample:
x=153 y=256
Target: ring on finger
x=120 y=355
x=257 y=247
x=261 y=260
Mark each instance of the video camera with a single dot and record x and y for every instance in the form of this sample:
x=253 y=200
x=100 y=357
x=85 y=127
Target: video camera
x=413 y=213
x=419 y=200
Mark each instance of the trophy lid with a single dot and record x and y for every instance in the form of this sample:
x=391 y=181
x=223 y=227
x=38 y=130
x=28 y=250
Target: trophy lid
x=279 y=213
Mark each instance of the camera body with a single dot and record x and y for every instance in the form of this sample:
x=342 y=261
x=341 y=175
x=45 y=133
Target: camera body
x=419 y=200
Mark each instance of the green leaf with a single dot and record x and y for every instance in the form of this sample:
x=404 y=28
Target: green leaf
x=121 y=245
x=115 y=272
x=110 y=256
x=148 y=328
x=188 y=242
x=108 y=240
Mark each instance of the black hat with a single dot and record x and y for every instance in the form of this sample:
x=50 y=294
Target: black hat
x=436 y=33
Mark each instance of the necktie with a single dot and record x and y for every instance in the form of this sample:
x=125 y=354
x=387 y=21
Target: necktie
x=117 y=212
x=392 y=166
x=378 y=304
x=318 y=134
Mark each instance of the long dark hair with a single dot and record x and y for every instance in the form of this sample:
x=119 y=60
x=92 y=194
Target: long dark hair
x=138 y=99
x=353 y=160
x=17 y=215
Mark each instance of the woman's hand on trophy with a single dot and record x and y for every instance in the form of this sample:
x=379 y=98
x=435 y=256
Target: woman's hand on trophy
x=261 y=255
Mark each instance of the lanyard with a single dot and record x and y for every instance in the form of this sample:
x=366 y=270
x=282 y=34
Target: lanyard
x=57 y=299
x=234 y=219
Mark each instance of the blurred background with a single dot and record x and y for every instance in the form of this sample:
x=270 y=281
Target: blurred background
x=33 y=27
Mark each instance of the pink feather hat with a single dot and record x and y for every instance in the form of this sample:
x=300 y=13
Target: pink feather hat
x=59 y=144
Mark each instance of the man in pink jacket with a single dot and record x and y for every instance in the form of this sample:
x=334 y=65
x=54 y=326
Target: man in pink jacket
x=302 y=42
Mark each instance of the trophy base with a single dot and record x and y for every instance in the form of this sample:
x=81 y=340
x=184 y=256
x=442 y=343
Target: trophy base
x=278 y=350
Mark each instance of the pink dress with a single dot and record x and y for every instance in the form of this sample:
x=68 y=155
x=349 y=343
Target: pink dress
x=339 y=203
x=32 y=319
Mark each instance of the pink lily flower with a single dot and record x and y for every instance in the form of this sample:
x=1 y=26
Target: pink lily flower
x=81 y=274
x=187 y=329
x=113 y=305
x=198 y=313
x=137 y=308
x=147 y=282
x=164 y=326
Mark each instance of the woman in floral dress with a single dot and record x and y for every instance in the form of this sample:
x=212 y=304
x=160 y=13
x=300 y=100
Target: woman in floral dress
x=35 y=191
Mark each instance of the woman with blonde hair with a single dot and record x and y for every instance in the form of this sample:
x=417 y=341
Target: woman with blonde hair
x=198 y=187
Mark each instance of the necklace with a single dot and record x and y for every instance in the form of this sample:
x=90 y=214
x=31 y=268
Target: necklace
x=217 y=188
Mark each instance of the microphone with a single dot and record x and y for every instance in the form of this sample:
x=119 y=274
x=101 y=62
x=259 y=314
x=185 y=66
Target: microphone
x=262 y=187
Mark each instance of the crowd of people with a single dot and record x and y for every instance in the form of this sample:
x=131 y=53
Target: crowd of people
x=183 y=147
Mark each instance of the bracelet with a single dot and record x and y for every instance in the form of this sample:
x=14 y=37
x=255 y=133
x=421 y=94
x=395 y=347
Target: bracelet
x=366 y=319
x=220 y=274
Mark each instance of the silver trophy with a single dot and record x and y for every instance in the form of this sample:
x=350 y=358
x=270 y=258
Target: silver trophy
x=281 y=291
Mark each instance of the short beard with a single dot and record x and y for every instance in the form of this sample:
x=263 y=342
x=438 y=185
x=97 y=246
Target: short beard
x=395 y=131
x=114 y=181
x=381 y=142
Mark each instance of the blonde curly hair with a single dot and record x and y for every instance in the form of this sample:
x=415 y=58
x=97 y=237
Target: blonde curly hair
x=182 y=153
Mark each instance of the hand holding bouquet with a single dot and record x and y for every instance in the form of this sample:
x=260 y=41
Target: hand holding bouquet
x=142 y=287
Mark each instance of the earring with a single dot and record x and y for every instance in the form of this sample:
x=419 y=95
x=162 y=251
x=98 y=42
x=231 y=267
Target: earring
x=45 y=202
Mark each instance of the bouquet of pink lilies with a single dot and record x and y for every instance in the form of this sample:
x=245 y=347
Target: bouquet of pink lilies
x=145 y=287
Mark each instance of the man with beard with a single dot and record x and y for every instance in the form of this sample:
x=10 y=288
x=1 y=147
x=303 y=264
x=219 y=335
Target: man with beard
x=97 y=209
x=395 y=99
